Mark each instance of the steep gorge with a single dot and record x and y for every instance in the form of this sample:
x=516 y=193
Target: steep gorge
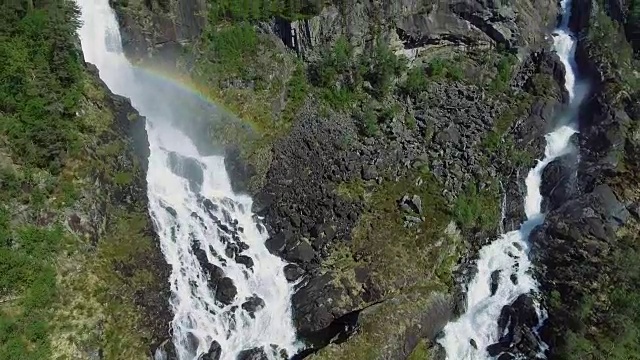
x=382 y=140
x=331 y=180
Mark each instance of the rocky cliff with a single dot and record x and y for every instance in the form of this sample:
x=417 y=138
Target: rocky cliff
x=82 y=274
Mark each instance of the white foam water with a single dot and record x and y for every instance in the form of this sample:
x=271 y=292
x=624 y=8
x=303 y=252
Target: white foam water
x=468 y=337
x=206 y=218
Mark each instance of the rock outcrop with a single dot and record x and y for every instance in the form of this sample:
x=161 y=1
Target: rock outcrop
x=159 y=28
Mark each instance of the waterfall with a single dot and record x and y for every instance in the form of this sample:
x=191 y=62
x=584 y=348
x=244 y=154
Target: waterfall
x=228 y=293
x=468 y=337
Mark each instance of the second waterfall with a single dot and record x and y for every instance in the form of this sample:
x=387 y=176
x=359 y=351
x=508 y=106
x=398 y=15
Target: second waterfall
x=475 y=335
x=229 y=294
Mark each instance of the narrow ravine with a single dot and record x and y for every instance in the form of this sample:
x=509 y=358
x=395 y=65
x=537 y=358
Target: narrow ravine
x=505 y=261
x=229 y=294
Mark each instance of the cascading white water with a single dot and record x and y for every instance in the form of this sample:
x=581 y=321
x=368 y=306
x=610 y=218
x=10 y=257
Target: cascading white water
x=468 y=337
x=199 y=220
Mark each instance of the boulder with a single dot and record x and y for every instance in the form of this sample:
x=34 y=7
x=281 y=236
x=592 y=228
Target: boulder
x=292 y=272
x=252 y=354
x=244 y=260
x=558 y=182
x=253 y=304
x=187 y=168
x=226 y=291
x=214 y=352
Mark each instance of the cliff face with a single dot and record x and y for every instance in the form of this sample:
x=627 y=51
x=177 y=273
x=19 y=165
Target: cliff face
x=159 y=27
x=384 y=137
x=82 y=274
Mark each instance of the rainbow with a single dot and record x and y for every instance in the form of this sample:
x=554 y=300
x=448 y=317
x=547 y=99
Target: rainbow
x=185 y=83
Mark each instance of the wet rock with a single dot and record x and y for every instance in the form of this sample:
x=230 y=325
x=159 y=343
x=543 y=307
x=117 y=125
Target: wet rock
x=226 y=291
x=302 y=253
x=292 y=272
x=495 y=281
x=171 y=211
x=244 y=260
x=252 y=354
x=225 y=228
x=276 y=243
x=192 y=342
x=240 y=172
x=167 y=348
x=558 y=182
x=518 y=321
x=215 y=350
x=252 y=305
x=473 y=343
x=231 y=250
x=210 y=205
x=187 y=168
x=213 y=273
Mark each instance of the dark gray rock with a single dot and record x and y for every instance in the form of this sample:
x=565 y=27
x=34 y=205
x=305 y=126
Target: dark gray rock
x=292 y=272
x=226 y=291
x=302 y=253
x=252 y=305
x=276 y=243
x=215 y=350
x=495 y=281
x=188 y=168
x=369 y=172
x=244 y=260
x=252 y=354
x=558 y=182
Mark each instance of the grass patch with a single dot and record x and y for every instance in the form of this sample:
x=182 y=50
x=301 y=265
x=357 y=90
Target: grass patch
x=504 y=70
x=395 y=255
x=477 y=209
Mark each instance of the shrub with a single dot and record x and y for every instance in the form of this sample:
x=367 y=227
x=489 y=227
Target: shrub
x=504 y=71
x=416 y=82
x=476 y=208
x=369 y=122
x=381 y=68
x=40 y=82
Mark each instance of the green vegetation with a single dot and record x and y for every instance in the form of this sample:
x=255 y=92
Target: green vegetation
x=63 y=293
x=420 y=245
x=614 y=55
x=416 y=82
x=40 y=89
x=632 y=26
x=604 y=323
x=439 y=68
x=504 y=69
x=39 y=81
x=478 y=209
x=381 y=68
x=255 y=10
x=27 y=288
x=445 y=68
x=420 y=352
x=341 y=75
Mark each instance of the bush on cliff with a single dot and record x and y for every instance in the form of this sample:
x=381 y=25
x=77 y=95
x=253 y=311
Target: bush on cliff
x=40 y=89
x=257 y=10
x=39 y=81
